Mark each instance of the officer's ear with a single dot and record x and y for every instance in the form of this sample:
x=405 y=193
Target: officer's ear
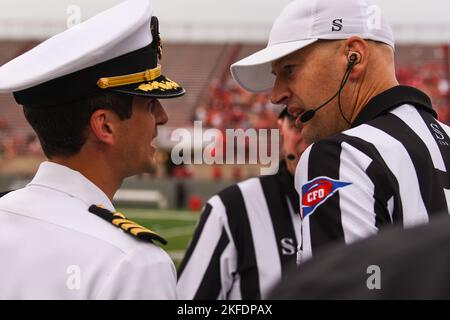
x=103 y=124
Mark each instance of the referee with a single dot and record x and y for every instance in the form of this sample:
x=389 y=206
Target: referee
x=379 y=155
x=247 y=234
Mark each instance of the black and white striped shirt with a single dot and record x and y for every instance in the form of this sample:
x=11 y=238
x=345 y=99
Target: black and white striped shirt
x=392 y=166
x=246 y=238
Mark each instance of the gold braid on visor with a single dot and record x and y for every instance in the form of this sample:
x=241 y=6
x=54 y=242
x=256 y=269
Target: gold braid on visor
x=148 y=75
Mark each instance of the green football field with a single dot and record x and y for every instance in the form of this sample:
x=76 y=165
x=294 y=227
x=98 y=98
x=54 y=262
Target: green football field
x=176 y=226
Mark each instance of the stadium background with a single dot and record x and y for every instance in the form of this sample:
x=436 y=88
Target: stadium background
x=201 y=39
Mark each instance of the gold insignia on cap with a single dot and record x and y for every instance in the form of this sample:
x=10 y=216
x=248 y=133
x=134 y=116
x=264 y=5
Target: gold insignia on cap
x=131 y=227
x=158 y=85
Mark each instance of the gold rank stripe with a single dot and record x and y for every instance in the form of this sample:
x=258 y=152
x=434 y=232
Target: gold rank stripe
x=119 y=221
x=147 y=75
x=136 y=231
x=119 y=214
x=127 y=225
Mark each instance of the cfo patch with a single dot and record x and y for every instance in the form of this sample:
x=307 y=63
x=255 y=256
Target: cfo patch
x=317 y=191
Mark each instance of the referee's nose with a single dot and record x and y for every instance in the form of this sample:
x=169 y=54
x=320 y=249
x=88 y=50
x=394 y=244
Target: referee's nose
x=280 y=93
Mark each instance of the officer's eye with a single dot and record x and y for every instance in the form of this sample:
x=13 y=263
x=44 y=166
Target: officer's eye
x=151 y=105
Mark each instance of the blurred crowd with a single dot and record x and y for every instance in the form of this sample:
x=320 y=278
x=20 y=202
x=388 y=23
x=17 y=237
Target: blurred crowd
x=432 y=78
x=13 y=144
x=228 y=106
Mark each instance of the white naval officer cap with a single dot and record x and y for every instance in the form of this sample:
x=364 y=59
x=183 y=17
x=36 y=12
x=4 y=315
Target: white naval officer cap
x=116 y=50
x=303 y=22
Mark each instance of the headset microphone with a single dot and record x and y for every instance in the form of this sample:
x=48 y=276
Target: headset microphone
x=353 y=59
x=308 y=115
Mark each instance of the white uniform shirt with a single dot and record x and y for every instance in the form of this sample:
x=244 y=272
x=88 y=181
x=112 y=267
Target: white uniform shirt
x=52 y=247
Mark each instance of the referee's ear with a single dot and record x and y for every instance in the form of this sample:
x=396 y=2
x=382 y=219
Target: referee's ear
x=359 y=45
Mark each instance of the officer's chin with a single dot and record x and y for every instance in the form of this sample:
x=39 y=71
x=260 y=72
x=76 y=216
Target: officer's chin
x=150 y=164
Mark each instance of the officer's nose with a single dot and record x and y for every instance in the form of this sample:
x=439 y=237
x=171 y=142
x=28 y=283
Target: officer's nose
x=161 y=114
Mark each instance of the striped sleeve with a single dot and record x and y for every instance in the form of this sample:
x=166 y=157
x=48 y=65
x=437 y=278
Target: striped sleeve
x=346 y=193
x=206 y=271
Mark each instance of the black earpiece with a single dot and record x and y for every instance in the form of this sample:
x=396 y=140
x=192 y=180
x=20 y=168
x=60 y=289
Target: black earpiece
x=354 y=58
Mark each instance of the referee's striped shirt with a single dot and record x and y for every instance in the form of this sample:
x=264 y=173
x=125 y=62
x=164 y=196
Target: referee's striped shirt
x=246 y=237
x=392 y=166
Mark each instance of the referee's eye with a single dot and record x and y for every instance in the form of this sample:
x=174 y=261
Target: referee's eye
x=288 y=70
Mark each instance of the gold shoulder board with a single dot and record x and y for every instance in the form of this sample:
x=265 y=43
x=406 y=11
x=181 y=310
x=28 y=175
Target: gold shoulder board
x=120 y=221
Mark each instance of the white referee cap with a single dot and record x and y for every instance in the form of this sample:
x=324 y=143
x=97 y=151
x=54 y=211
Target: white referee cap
x=303 y=22
x=116 y=50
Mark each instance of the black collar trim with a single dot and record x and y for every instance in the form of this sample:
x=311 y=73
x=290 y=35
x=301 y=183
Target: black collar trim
x=391 y=99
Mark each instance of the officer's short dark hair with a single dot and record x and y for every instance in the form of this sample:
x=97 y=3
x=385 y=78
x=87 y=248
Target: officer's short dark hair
x=61 y=129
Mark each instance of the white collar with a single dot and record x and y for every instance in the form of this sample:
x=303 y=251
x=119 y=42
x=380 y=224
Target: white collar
x=58 y=177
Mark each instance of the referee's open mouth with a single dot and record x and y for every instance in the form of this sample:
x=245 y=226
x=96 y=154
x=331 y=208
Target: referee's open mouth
x=298 y=122
x=297 y=113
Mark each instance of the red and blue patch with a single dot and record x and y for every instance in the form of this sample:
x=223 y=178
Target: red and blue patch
x=316 y=192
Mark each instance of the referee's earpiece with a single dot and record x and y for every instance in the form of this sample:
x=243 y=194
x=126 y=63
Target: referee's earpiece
x=353 y=59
